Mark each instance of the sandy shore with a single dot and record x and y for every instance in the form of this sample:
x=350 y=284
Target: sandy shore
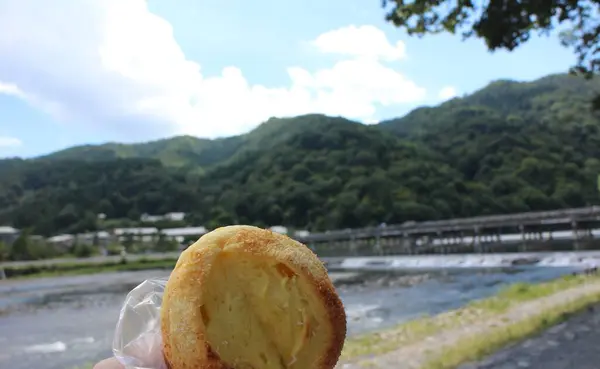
x=558 y=346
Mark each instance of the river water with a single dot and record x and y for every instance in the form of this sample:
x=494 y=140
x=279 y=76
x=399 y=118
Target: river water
x=64 y=322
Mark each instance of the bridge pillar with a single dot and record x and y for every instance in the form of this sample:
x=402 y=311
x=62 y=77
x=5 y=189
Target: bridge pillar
x=441 y=247
x=352 y=246
x=477 y=241
x=407 y=244
x=576 y=243
x=377 y=246
x=523 y=246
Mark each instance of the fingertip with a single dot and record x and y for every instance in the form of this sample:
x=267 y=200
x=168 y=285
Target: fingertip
x=111 y=363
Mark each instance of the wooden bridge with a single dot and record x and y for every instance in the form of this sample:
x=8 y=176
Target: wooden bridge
x=567 y=229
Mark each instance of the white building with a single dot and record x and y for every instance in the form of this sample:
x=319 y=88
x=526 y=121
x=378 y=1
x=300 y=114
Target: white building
x=301 y=233
x=102 y=238
x=147 y=218
x=62 y=241
x=180 y=234
x=143 y=234
x=279 y=229
x=8 y=234
x=174 y=217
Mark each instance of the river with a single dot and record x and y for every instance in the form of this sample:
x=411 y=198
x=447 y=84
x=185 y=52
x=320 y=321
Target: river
x=64 y=322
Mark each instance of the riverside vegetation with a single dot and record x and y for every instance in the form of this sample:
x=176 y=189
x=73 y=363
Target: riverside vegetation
x=470 y=333
x=26 y=247
x=70 y=268
x=509 y=147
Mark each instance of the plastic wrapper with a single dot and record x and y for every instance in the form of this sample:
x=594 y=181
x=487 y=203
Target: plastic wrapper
x=137 y=343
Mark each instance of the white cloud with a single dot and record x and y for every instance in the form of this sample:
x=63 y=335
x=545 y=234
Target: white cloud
x=11 y=89
x=447 y=93
x=114 y=63
x=363 y=41
x=9 y=142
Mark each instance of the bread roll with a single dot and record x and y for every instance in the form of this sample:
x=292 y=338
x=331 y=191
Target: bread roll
x=242 y=297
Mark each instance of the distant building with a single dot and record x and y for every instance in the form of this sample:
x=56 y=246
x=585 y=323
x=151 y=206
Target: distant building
x=301 y=234
x=8 y=234
x=279 y=229
x=141 y=235
x=174 y=217
x=62 y=241
x=180 y=234
x=147 y=218
x=100 y=238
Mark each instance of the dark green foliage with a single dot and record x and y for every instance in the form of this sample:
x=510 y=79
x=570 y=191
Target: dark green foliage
x=67 y=194
x=177 y=151
x=506 y=24
x=83 y=250
x=4 y=251
x=163 y=244
x=509 y=147
x=20 y=248
x=190 y=153
x=26 y=248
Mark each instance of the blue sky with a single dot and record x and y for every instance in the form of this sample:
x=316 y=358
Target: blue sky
x=90 y=71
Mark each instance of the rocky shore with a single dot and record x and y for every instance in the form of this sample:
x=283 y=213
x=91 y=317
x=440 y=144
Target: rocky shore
x=572 y=344
x=363 y=281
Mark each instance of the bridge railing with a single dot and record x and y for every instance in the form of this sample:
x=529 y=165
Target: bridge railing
x=565 y=216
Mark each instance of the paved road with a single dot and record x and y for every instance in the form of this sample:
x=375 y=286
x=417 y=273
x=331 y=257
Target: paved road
x=573 y=344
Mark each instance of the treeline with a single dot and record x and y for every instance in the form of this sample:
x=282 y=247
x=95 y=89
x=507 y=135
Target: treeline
x=33 y=247
x=26 y=247
x=510 y=147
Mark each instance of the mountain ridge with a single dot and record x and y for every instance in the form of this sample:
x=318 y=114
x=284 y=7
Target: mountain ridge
x=509 y=147
x=185 y=150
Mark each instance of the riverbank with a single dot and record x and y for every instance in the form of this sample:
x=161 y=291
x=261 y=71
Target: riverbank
x=461 y=338
x=468 y=334
x=63 y=322
x=571 y=344
x=79 y=268
x=414 y=263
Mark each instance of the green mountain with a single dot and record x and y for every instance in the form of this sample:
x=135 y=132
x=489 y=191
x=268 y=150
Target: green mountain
x=188 y=151
x=555 y=99
x=176 y=151
x=509 y=147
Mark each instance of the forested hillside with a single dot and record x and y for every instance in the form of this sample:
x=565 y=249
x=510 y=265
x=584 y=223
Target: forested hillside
x=192 y=152
x=509 y=147
x=176 y=151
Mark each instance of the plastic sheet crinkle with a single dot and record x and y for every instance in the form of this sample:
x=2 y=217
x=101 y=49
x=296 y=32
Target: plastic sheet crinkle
x=137 y=343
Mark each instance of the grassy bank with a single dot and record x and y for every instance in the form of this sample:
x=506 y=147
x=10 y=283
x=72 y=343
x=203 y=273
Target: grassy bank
x=492 y=317
x=478 y=346
x=53 y=270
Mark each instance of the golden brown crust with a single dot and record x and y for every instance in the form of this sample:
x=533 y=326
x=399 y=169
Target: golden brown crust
x=185 y=319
